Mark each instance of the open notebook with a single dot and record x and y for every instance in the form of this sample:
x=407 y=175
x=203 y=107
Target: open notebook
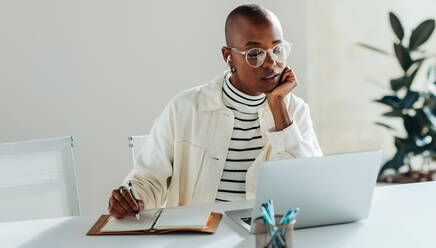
x=155 y=221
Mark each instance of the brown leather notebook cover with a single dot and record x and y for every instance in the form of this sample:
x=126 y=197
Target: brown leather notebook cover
x=95 y=229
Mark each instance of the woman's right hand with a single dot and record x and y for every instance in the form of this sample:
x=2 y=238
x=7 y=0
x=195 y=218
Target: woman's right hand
x=122 y=203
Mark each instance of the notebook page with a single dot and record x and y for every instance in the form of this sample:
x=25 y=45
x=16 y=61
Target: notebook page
x=130 y=223
x=183 y=217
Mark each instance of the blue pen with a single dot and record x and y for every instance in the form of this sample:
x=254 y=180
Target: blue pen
x=289 y=217
x=273 y=235
x=265 y=207
x=265 y=215
x=294 y=214
x=266 y=210
x=285 y=217
x=267 y=219
x=271 y=206
x=270 y=211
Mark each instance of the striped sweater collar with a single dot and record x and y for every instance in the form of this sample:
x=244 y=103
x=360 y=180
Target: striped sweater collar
x=239 y=100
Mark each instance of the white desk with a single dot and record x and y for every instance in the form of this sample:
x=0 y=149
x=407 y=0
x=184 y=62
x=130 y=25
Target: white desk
x=400 y=216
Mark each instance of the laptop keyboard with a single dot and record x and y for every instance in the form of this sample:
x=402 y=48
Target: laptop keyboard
x=246 y=220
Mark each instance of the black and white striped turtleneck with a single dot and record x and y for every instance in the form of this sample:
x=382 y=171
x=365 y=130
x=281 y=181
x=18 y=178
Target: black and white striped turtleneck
x=245 y=144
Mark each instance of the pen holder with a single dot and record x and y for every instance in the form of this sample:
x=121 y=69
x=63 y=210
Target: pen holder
x=270 y=236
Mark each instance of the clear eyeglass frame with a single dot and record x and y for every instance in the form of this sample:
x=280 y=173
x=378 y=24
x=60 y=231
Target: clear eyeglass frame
x=258 y=59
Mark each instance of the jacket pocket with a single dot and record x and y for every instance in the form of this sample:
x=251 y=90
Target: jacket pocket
x=191 y=159
x=209 y=177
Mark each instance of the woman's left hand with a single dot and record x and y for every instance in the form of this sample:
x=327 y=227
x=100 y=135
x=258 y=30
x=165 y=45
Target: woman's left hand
x=288 y=82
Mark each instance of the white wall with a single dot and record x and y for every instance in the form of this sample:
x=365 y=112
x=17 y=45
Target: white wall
x=343 y=78
x=103 y=70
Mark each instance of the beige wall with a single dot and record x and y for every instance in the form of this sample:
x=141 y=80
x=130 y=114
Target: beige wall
x=344 y=78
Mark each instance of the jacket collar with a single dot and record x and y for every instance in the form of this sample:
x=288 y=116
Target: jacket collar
x=210 y=95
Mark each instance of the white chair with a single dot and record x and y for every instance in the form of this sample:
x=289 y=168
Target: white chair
x=37 y=179
x=136 y=143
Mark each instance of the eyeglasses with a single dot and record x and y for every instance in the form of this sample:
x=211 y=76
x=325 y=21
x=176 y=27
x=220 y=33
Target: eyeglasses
x=256 y=56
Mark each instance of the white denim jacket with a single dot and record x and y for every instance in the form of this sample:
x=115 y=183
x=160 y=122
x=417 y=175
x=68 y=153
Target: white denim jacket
x=183 y=158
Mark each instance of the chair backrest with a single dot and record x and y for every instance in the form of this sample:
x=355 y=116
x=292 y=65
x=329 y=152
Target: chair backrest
x=38 y=180
x=136 y=143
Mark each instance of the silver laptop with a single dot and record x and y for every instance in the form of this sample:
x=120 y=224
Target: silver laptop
x=328 y=190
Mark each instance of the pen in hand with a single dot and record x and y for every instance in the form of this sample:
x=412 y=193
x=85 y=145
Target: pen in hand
x=131 y=192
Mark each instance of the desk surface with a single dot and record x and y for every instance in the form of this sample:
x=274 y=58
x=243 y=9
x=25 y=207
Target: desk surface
x=400 y=216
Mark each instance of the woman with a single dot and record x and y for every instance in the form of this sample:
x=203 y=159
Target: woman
x=208 y=142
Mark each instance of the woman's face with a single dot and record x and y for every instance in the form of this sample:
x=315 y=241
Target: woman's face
x=264 y=34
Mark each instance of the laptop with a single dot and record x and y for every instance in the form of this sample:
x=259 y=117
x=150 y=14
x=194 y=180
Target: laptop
x=328 y=190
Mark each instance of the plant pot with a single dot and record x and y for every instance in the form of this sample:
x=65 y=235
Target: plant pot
x=410 y=177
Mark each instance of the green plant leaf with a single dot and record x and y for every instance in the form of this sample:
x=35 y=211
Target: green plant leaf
x=375 y=49
x=411 y=77
x=433 y=146
x=384 y=125
x=404 y=81
x=392 y=101
x=430 y=116
x=403 y=56
x=420 y=60
x=396 y=26
x=410 y=98
x=412 y=125
x=430 y=102
x=387 y=165
x=419 y=150
x=400 y=143
x=398 y=83
x=423 y=120
x=398 y=159
x=393 y=114
x=421 y=34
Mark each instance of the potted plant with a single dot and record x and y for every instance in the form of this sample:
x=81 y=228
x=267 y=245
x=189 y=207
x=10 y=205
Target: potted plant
x=416 y=109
